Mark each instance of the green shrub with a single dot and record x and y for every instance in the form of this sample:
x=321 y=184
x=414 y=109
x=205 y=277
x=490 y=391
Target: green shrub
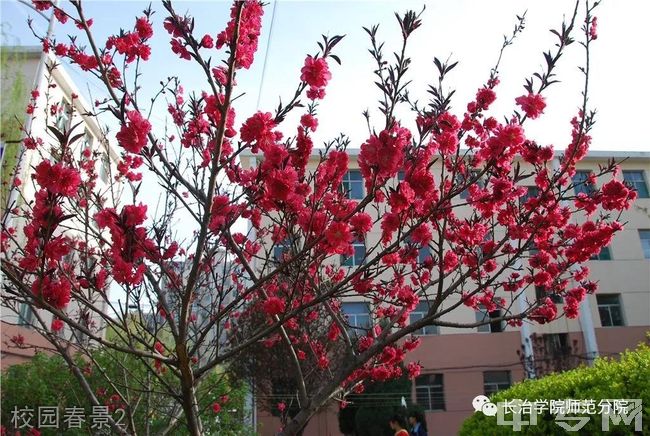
x=624 y=378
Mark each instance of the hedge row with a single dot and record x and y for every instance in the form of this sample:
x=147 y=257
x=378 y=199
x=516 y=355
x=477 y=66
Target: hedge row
x=625 y=378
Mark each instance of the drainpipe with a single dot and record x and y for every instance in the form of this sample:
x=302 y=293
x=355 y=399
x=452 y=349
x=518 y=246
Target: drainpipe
x=526 y=332
x=585 y=318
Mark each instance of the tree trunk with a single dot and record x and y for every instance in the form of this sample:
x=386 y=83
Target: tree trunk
x=188 y=394
x=297 y=425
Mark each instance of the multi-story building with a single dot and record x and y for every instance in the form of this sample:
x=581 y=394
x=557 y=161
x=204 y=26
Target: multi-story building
x=59 y=103
x=213 y=290
x=459 y=364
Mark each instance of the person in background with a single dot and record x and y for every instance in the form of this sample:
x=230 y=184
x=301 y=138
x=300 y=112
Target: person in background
x=418 y=424
x=398 y=424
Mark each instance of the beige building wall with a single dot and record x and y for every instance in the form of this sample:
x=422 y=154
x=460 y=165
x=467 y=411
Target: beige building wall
x=106 y=168
x=464 y=356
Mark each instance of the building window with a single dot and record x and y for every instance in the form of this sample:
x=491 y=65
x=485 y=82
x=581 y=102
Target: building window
x=352 y=184
x=636 y=180
x=493 y=326
x=429 y=392
x=531 y=192
x=557 y=344
x=541 y=293
x=645 y=242
x=358 y=315
x=604 y=254
x=424 y=251
x=494 y=381
x=63 y=116
x=359 y=255
x=420 y=312
x=462 y=180
x=282 y=249
x=105 y=168
x=87 y=143
x=609 y=308
x=582 y=183
x=25 y=316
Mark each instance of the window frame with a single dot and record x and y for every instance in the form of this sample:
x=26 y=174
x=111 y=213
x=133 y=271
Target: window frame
x=540 y=292
x=602 y=306
x=352 y=261
x=492 y=387
x=645 y=242
x=581 y=185
x=429 y=330
x=635 y=184
x=434 y=387
x=488 y=328
x=347 y=181
x=356 y=328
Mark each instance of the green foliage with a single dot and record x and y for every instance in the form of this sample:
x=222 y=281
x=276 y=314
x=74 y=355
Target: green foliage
x=627 y=378
x=13 y=99
x=369 y=412
x=47 y=381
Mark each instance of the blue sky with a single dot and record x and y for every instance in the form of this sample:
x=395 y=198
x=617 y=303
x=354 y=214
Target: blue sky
x=468 y=31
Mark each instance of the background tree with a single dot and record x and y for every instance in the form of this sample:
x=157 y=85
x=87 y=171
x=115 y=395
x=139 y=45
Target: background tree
x=367 y=413
x=47 y=381
x=450 y=184
x=12 y=108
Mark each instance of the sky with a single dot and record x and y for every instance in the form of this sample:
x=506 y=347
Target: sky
x=470 y=32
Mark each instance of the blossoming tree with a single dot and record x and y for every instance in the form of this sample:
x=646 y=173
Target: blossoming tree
x=452 y=183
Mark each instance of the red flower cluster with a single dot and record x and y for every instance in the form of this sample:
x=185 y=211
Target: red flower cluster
x=57 y=179
x=250 y=25
x=56 y=293
x=132 y=44
x=315 y=72
x=258 y=131
x=129 y=242
x=616 y=196
x=133 y=134
x=532 y=104
x=273 y=306
x=382 y=156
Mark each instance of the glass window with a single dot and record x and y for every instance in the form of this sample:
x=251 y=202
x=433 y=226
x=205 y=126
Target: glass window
x=26 y=315
x=460 y=179
x=358 y=257
x=358 y=315
x=424 y=251
x=494 y=381
x=281 y=249
x=582 y=184
x=352 y=184
x=540 y=293
x=604 y=254
x=494 y=326
x=609 y=308
x=531 y=192
x=105 y=168
x=557 y=344
x=64 y=115
x=429 y=392
x=420 y=311
x=636 y=180
x=645 y=242
x=88 y=141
